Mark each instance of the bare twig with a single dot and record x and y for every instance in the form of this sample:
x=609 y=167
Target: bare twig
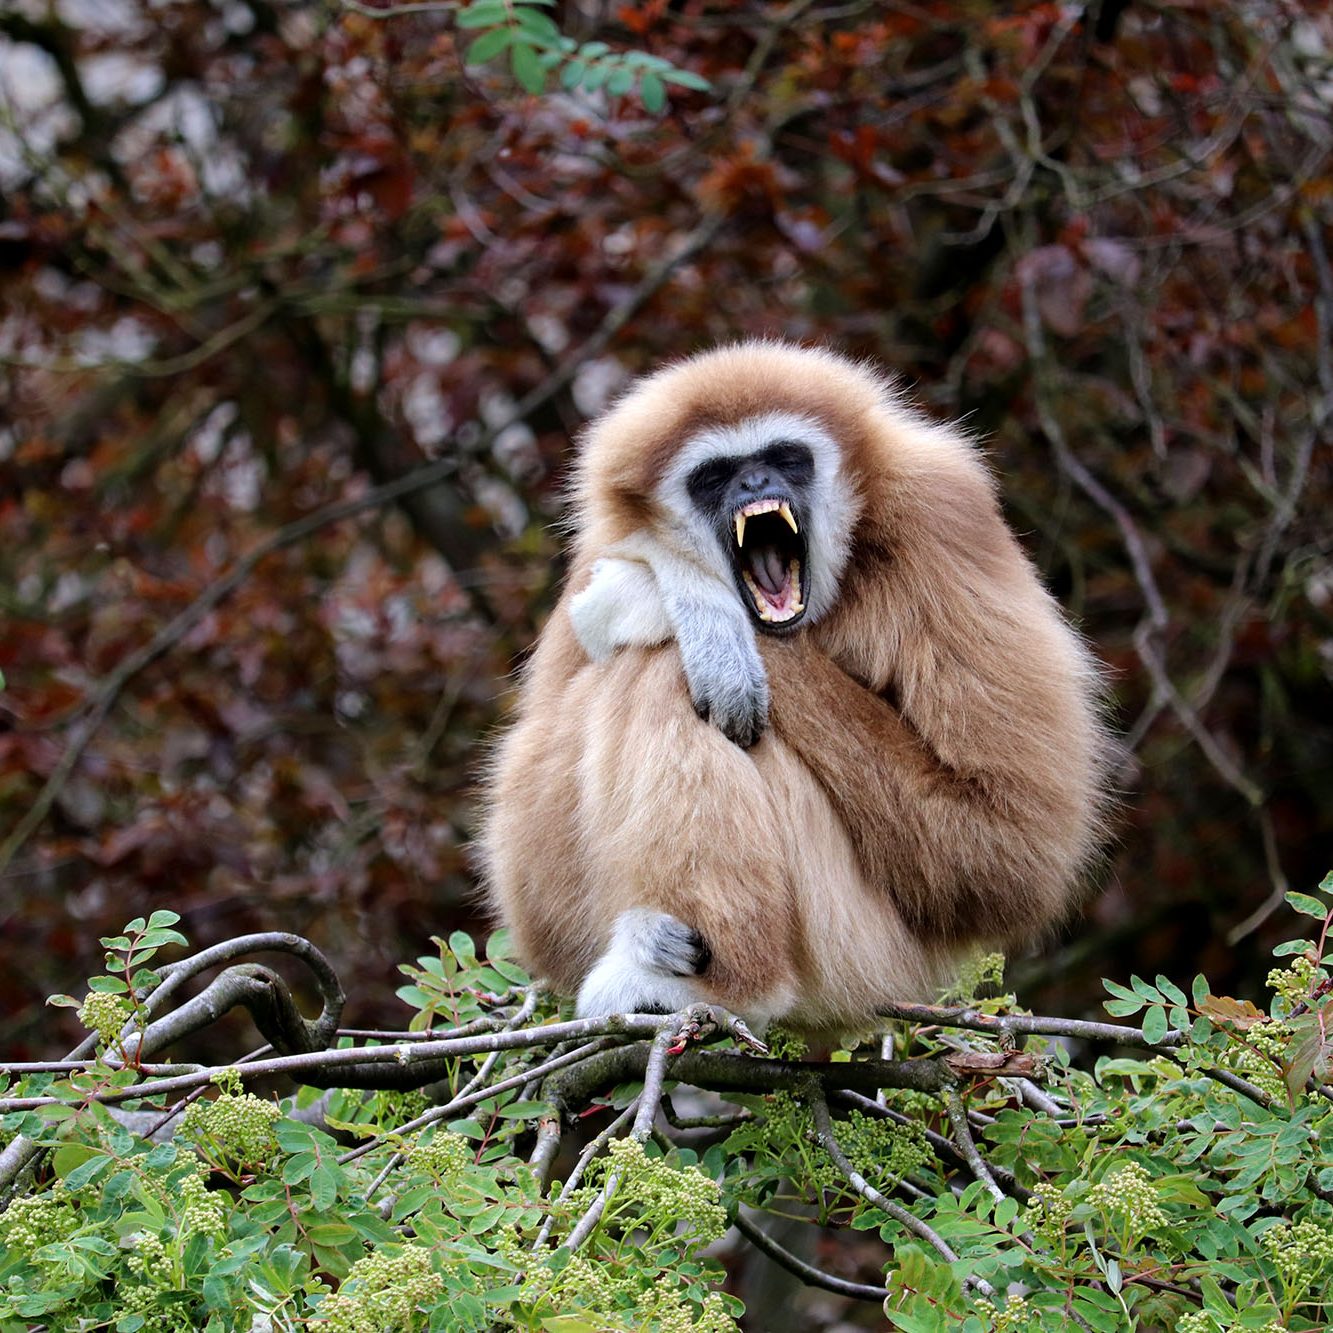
x=808 y=1273
x=594 y=1146
x=962 y=1136
x=1014 y=1025
x=654 y=1074
x=829 y=1142
x=398 y=11
x=1034 y=1097
x=943 y=1148
x=459 y=1104
x=547 y=1146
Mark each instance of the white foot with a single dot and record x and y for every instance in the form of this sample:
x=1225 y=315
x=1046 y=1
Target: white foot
x=651 y=966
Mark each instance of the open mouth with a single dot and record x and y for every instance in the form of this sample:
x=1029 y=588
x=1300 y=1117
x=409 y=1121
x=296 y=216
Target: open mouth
x=770 y=558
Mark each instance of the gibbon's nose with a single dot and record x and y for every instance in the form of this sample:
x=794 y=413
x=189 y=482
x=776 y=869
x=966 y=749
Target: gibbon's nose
x=755 y=481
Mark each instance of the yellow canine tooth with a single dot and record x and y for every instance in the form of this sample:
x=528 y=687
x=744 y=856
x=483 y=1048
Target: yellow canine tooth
x=785 y=510
x=740 y=529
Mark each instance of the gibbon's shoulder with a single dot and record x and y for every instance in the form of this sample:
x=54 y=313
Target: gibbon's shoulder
x=883 y=436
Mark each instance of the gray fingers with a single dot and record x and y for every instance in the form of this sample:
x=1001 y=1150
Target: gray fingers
x=723 y=669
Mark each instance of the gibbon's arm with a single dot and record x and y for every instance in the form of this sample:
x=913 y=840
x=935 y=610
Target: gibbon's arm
x=964 y=854
x=620 y=607
x=642 y=593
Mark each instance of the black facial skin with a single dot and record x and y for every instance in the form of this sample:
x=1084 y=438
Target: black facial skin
x=783 y=471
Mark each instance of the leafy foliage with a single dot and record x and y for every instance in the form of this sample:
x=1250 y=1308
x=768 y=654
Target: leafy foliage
x=257 y=257
x=537 y=48
x=1187 y=1186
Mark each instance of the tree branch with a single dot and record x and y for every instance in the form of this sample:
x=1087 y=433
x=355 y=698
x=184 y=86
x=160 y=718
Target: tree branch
x=828 y=1141
x=104 y=697
x=808 y=1273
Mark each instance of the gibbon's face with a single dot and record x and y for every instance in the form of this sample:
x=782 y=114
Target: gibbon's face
x=768 y=509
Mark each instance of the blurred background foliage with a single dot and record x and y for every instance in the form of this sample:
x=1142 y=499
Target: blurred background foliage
x=258 y=257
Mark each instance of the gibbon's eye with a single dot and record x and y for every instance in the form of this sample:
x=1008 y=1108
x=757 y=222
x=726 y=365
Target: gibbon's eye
x=707 y=484
x=794 y=461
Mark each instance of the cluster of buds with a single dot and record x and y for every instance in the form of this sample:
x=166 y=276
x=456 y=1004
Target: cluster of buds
x=106 y=1015
x=239 y=1126
x=387 y=1289
x=1130 y=1193
x=442 y=1155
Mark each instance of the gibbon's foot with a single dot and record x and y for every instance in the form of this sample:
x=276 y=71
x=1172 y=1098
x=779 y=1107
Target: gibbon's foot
x=673 y=946
x=648 y=968
x=701 y=1019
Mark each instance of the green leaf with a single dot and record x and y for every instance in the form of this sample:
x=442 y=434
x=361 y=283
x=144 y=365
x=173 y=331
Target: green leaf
x=537 y=24
x=155 y=938
x=1104 y=1321
x=86 y=1172
x=686 y=79
x=69 y=1156
x=298 y=1168
x=1307 y=905
x=161 y=1157
x=1145 y=989
x=570 y=77
x=118 y=1186
x=1199 y=989
x=620 y=81
x=1171 y=990
x=330 y=1233
x=489 y=45
x=324 y=1187
x=1116 y=989
x=530 y=74
x=500 y=945
x=1280 y=951
x=653 y=92
x=482 y=14
x=108 y=985
x=525 y=1110
x=1154 y=1024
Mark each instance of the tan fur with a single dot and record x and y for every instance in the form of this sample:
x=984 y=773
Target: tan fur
x=932 y=773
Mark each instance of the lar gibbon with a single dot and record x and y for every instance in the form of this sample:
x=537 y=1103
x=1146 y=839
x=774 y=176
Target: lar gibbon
x=804 y=725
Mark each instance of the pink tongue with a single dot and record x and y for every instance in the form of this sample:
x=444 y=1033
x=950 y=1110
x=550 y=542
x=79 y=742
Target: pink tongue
x=772 y=580
x=768 y=573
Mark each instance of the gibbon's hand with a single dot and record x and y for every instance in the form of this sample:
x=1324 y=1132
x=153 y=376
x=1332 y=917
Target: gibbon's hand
x=724 y=671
